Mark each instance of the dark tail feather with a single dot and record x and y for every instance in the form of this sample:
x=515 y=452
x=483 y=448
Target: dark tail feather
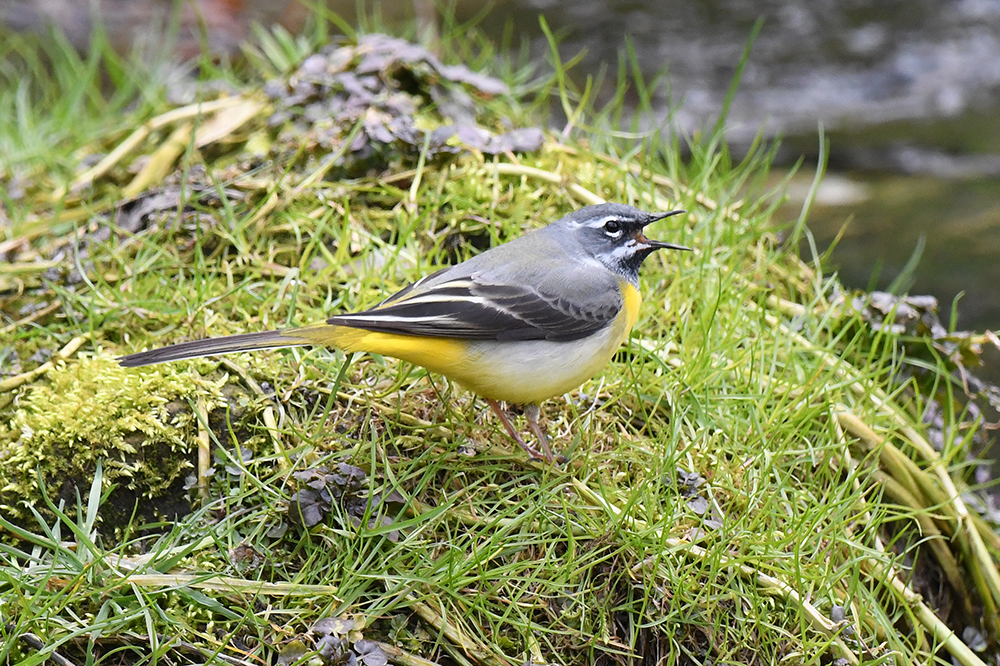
x=214 y=346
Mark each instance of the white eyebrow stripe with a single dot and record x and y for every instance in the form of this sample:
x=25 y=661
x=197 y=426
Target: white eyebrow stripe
x=599 y=222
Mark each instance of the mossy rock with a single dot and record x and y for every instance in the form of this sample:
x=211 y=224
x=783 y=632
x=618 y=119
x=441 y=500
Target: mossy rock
x=138 y=423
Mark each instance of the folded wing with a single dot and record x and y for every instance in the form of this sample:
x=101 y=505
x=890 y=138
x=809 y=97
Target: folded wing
x=474 y=308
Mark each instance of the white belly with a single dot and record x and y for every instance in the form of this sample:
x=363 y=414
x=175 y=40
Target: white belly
x=530 y=371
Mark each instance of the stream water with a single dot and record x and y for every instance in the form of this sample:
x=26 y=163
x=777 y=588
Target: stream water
x=908 y=93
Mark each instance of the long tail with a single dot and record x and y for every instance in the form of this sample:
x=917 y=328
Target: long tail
x=294 y=337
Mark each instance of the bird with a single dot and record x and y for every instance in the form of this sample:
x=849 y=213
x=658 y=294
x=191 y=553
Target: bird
x=520 y=323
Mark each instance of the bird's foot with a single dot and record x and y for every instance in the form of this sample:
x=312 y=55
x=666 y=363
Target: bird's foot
x=546 y=452
x=532 y=412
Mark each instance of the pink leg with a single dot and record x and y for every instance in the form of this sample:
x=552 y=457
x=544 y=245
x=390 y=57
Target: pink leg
x=531 y=412
x=532 y=453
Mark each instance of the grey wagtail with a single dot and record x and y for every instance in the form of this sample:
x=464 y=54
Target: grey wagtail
x=521 y=322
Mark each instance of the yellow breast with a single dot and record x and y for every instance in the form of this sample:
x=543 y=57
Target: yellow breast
x=632 y=302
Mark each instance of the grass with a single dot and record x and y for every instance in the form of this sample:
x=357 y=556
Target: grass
x=749 y=479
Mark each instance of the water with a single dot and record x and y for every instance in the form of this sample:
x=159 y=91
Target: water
x=909 y=93
x=957 y=222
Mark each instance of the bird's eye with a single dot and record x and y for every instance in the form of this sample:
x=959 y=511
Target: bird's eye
x=613 y=227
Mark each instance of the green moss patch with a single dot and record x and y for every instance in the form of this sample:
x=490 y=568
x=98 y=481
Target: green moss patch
x=138 y=423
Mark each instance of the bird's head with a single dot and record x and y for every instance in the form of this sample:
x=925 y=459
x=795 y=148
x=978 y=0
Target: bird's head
x=613 y=235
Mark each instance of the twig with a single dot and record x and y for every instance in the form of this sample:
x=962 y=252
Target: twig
x=12 y=383
x=942 y=632
x=38 y=314
x=181 y=646
x=229 y=584
x=139 y=135
x=17 y=267
x=456 y=637
x=932 y=536
x=578 y=191
x=226 y=122
x=398 y=656
x=161 y=161
x=38 y=644
x=208 y=654
x=204 y=449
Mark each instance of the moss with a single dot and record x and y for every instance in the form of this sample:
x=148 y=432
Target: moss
x=136 y=421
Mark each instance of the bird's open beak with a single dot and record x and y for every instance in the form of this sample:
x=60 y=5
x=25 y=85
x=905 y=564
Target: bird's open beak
x=655 y=244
